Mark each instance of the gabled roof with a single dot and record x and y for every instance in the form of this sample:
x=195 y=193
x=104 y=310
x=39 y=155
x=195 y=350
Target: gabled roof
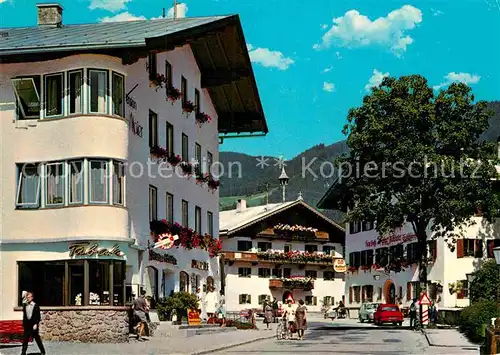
x=233 y=221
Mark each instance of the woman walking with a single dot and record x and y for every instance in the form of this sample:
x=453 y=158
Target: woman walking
x=268 y=314
x=301 y=319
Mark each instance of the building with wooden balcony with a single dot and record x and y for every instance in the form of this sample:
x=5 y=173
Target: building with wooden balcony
x=280 y=250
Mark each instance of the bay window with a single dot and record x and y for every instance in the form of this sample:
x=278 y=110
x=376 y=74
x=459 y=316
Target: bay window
x=27 y=91
x=98 y=183
x=54 y=93
x=75 y=83
x=98 y=90
x=118 y=183
x=118 y=95
x=75 y=182
x=54 y=184
x=28 y=186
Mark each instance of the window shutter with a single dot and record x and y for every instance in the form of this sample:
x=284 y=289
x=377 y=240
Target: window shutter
x=408 y=291
x=249 y=298
x=315 y=301
x=350 y=294
x=241 y=299
x=460 y=248
x=400 y=292
x=478 y=248
x=435 y=252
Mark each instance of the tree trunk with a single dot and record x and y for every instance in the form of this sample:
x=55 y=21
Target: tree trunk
x=422 y=257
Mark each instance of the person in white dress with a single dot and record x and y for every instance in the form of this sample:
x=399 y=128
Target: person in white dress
x=211 y=303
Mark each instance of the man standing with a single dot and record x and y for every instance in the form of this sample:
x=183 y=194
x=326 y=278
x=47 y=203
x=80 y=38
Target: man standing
x=31 y=324
x=275 y=310
x=413 y=313
x=140 y=310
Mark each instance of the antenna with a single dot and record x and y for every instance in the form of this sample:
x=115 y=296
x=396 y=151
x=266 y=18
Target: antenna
x=163 y=13
x=175 y=9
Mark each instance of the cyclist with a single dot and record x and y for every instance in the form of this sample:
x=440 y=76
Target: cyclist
x=413 y=313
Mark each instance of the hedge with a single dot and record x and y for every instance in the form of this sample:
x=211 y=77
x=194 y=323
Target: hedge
x=475 y=318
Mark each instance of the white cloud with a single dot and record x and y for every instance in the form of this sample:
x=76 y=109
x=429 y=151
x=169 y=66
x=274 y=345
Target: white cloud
x=324 y=26
x=339 y=57
x=329 y=87
x=182 y=10
x=452 y=77
x=110 y=5
x=356 y=30
x=376 y=79
x=124 y=16
x=436 y=12
x=269 y=58
x=326 y=70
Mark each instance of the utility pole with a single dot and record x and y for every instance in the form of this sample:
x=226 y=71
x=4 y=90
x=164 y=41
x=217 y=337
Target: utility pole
x=175 y=9
x=163 y=15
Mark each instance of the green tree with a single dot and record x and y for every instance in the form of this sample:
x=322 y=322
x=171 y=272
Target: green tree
x=485 y=285
x=414 y=156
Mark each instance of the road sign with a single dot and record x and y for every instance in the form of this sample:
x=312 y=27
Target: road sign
x=425 y=300
x=339 y=265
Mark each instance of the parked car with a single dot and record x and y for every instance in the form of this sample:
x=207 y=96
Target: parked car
x=388 y=313
x=367 y=311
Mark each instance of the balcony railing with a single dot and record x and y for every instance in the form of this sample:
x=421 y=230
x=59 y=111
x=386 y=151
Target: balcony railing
x=292 y=283
x=281 y=258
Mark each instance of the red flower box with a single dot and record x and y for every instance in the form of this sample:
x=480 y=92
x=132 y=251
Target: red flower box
x=173 y=94
x=188 y=107
x=202 y=117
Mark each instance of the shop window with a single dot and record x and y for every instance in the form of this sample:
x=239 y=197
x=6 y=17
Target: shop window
x=54 y=184
x=264 y=246
x=310 y=248
x=185 y=214
x=118 y=183
x=328 y=275
x=245 y=299
x=197 y=219
x=492 y=244
x=170 y=138
x=210 y=223
x=75 y=82
x=185 y=148
x=54 y=84
x=313 y=274
x=28 y=186
x=118 y=94
x=98 y=90
x=311 y=300
x=183 y=282
x=244 y=245
x=153 y=129
x=98 y=181
x=75 y=182
x=328 y=250
x=27 y=91
x=287 y=272
x=264 y=272
x=153 y=203
x=170 y=208
x=244 y=272
x=287 y=248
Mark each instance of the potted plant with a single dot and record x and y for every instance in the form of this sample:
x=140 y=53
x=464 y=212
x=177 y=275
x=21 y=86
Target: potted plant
x=173 y=94
x=157 y=81
x=188 y=107
x=212 y=183
x=200 y=177
x=174 y=159
x=186 y=167
x=158 y=152
x=202 y=117
x=179 y=303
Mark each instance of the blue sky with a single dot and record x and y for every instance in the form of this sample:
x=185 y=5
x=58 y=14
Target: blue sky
x=314 y=61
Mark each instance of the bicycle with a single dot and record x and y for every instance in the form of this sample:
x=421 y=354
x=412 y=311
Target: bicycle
x=282 y=331
x=417 y=326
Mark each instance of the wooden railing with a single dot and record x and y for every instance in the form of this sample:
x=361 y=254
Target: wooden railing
x=254 y=257
x=277 y=283
x=493 y=339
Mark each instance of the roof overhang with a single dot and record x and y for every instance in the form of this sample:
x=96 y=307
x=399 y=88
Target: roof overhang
x=330 y=200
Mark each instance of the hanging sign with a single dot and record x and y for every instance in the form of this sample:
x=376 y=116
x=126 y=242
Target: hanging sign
x=163 y=258
x=339 y=265
x=165 y=241
x=92 y=249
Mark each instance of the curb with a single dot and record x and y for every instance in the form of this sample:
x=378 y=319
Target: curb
x=449 y=346
x=225 y=347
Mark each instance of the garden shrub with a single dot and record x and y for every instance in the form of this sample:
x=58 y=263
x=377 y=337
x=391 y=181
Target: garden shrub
x=475 y=318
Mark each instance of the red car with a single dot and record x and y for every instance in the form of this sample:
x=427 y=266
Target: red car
x=388 y=313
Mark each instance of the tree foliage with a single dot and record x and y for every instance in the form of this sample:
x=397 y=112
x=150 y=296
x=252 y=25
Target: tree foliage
x=486 y=283
x=414 y=156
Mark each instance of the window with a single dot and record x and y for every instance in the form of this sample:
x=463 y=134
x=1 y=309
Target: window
x=98 y=90
x=328 y=250
x=210 y=162
x=492 y=244
x=311 y=301
x=469 y=248
x=197 y=157
x=469 y=245
x=313 y=274
x=98 y=181
x=197 y=101
x=197 y=219
x=185 y=147
x=75 y=82
x=244 y=272
x=396 y=252
x=382 y=256
x=185 y=214
x=277 y=273
x=368 y=293
x=118 y=94
x=287 y=272
x=153 y=203
x=54 y=184
x=27 y=91
x=328 y=275
x=244 y=245
x=170 y=138
x=28 y=188
x=264 y=246
x=355 y=259
x=54 y=84
x=75 y=181
x=170 y=208
x=262 y=298
x=50 y=282
x=432 y=245
x=153 y=129
x=366 y=226
x=168 y=74
x=183 y=282
x=184 y=91
x=287 y=248
x=311 y=248
x=152 y=65
x=118 y=183
x=245 y=299
x=411 y=252
x=357 y=293
x=329 y=301
x=464 y=291
x=264 y=272
x=210 y=223
x=354 y=227
x=367 y=257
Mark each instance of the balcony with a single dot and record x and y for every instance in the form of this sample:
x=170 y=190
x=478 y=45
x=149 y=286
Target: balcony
x=299 y=283
x=300 y=258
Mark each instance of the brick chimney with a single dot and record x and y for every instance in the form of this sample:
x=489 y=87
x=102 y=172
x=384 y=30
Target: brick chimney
x=49 y=15
x=241 y=205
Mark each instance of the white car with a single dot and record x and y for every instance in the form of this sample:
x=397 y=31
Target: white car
x=367 y=311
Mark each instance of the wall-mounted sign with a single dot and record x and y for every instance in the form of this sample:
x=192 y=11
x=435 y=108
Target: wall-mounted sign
x=193 y=317
x=162 y=258
x=134 y=125
x=131 y=102
x=201 y=265
x=393 y=239
x=92 y=249
x=339 y=265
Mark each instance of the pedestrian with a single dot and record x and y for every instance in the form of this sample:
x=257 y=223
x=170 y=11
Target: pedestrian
x=31 y=324
x=413 y=313
x=290 y=315
x=436 y=312
x=268 y=313
x=301 y=319
x=275 y=310
x=140 y=309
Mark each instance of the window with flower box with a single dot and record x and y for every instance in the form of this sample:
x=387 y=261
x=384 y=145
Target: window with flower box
x=328 y=250
x=185 y=214
x=396 y=252
x=311 y=248
x=153 y=129
x=210 y=162
x=264 y=272
x=277 y=273
x=264 y=246
x=197 y=101
x=355 y=259
x=153 y=203
x=184 y=91
x=313 y=274
x=197 y=219
x=169 y=207
x=244 y=245
x=197 y=157
x=185 y=148
x=287 y=248
x=367 y=258
x=244 y=272
x=168 y=74
x=382 y=256
x=170 y=138
x=287 y=272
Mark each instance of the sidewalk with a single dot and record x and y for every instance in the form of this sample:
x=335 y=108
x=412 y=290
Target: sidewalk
x=448 y=338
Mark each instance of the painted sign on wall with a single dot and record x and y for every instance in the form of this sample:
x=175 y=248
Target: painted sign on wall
x=391 y=240
x=92 y=249
x=162 y=258
x=134 y=125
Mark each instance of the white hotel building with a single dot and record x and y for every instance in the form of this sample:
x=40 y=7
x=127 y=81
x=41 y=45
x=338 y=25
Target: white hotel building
x=81 y=113
x=372 y=272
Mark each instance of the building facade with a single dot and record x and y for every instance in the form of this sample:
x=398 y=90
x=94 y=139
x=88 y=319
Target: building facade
x=108 y=146
x=279 y=251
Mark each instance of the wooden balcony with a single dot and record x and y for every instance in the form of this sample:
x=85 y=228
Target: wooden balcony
x=278 y=283
x=254 y=258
